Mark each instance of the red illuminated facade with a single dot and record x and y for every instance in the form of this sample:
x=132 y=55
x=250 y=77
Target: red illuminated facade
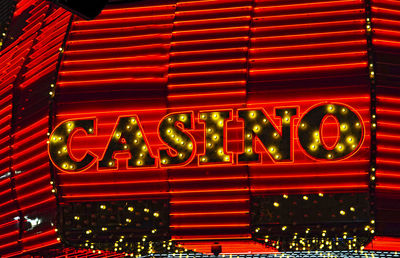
x=152 y=60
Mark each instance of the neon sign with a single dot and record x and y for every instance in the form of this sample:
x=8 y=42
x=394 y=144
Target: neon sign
x=174 y=130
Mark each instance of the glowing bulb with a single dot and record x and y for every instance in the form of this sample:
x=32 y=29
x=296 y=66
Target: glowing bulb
x=276 y=204
x=285 y=196
x=305 y=197
x=103 y=207
x=156 y=214
x=130 y=209
x=284 y=228
x=342 y=212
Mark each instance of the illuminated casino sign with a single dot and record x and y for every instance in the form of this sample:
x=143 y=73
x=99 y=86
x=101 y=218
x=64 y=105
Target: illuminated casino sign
x=174 y=130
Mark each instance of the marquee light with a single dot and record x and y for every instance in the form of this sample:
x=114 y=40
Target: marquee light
x=127 y=137
x=258 y=124
x=215 y=137
x=175 y=131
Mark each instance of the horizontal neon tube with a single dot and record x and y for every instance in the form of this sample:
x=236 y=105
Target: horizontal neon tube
x=132 y=39
x=201 y=12
x=309 y=68
x=211 y=225
x=313 y=56
x=120 y=21
x=351 y=43
x=208 y=41
x=183 y=202
x=302 y=187
x=205 y=85
x=206 y=62
x=293 y=37
x=214 y=72
x=186 y=214
x=385 y=10
x=209 y=21
x=222 y=237
x=268 y=28
x=297 y=6
x=244 y=189
x=79 y=196
x=136 y=9
x=212 y=94
x=258 y=13
x=209 y=31
x=96 y=83
x=110 y=71
x=115 y=31
x=114 y=60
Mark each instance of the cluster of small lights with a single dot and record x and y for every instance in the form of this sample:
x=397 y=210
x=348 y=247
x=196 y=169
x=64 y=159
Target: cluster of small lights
x=257 y=123
x=127 y=137
x=214 y=138
x=350 y=131
x=293 y=254
x=176 y=138
x=371 y=71
x=309 y=234
x=58 y=145
x=135 y=228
